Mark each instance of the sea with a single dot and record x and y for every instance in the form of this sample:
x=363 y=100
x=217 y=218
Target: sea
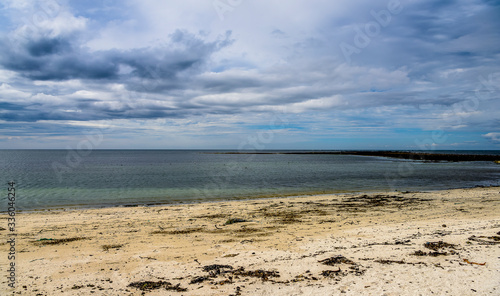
x=62 y=179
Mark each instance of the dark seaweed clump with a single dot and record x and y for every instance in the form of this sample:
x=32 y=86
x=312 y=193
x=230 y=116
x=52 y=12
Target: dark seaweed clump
x=57 y=241
x=438 y=245
x=150 y=286
x=336 y=260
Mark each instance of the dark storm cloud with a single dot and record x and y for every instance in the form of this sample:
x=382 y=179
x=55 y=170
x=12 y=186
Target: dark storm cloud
x=47 y=46
x=62 y=58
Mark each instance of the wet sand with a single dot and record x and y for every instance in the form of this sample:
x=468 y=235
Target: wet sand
x=389 y=243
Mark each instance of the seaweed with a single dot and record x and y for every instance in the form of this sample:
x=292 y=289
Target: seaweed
x=259 y=273
x=235 y=220
x=285 y=217
x=387 y=261
x=199 y=279
x=435 y=246
x=212 y=216
x=336 y=260
x=215 y=269
x=248 y=230
x=181 y=231
x=332 y=273
x=237 y=292
x=482 y=241
x=57 y=241
x=107 y=247
x=231 y=255
x=150 y=286
x=432 y=254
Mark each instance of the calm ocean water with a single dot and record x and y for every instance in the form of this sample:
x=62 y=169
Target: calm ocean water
x=60 y=178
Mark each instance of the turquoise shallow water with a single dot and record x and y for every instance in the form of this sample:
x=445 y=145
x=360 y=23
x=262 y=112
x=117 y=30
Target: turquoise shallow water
x=60 y=178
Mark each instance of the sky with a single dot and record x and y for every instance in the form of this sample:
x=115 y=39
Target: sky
x=250 y=75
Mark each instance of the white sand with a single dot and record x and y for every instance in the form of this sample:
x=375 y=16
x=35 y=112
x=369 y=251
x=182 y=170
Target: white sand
x=286 y=236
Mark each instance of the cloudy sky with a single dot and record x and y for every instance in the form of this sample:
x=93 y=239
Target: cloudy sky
x=250 y=74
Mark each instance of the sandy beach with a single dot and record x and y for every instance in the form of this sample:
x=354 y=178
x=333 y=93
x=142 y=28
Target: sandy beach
x=387 y=243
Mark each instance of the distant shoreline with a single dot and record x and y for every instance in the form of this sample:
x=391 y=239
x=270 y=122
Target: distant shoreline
x=419 y=156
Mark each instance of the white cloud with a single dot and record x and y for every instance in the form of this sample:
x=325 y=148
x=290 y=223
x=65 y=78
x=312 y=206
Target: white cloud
x=11 y=94
x=495 y=137
x=124 y=63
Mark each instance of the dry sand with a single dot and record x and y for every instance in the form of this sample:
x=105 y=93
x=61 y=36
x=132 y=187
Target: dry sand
x=413 y=243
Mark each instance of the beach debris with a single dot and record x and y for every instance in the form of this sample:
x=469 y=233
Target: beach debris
x=332 y=273
x=259 y=273
x=435 y=246
x=150 y=286
x=76 y=287
x=226 y=281
x=212 y=216
x=237 y=292
x=231 y=255
x=432 y=254
x=339 y=259
x=235 y=220
x=178 y=231
x=363 y=203
x=301 y=277
x=470 y=262
x=215 y=269
x=245 y=231
x=442 y=232
x=336 y=260
x=387 y=261
x=494 y=240
x=199 y=279
x=402 y=242
x=107 y=247
x=406 y=242
x=356 y=270
x=285 y=216
x=57 y=241
x=438 y=245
